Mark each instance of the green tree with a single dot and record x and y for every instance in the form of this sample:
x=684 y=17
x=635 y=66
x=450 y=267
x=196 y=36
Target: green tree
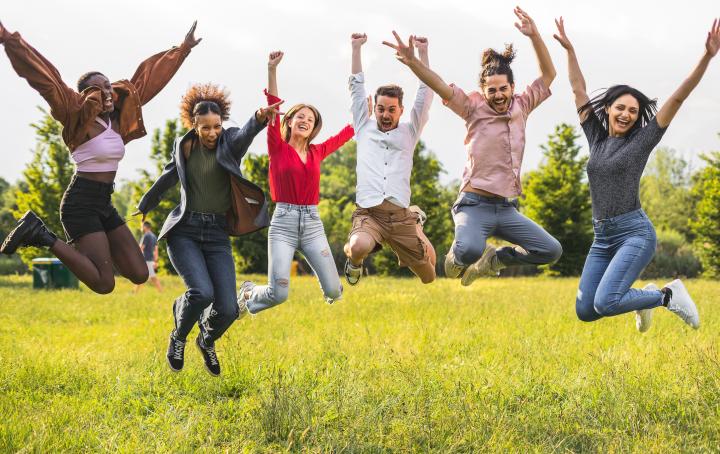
x=161 y=150
x=558 y=198
x=45 y=179
x=665 y=191
x=705 y=225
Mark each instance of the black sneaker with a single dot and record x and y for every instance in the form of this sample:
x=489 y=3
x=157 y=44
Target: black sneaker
x=212 y=365
x=30 y=231
x=352 y=273
x=176 y=353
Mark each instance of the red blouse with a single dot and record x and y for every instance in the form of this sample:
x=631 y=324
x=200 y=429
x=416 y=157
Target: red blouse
x=291 y=180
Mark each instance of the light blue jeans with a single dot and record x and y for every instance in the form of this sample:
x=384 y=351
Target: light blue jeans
x=295 y=228
x=622 y=248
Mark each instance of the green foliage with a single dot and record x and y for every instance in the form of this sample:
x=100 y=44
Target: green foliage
x=665 y=191
x=558 y=198
x=160 y=154
x=673 y=258
x=45 y=179
x=395 y=367
x=251 y=254
x=705 y=226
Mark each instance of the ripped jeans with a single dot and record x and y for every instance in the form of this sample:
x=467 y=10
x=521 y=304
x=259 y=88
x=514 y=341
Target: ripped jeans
x=295 y=227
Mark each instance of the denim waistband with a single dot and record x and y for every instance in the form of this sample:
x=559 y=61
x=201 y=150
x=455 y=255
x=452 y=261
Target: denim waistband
x=216 y=218
x=481 y=198
x=86 y=183
x=629 y=216
x=293 y=207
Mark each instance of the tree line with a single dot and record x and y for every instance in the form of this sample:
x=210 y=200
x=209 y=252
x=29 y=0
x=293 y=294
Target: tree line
x=682 y=202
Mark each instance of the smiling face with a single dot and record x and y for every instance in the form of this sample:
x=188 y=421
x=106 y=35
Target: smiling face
x=388 y=111
x=302 y=123
x=103 y=83
x=498 y=92
x=622 y=115
x=208 y=128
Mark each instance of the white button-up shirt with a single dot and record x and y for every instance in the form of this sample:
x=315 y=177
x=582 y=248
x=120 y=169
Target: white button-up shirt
x=385 y=159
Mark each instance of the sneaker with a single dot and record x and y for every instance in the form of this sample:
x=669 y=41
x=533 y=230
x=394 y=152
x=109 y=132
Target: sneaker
x=422 y=217
x=483 y=267
x=352 y=273
x=681 y=304
x=176 y=353
x=30 y=231
x=212 y=365
x=643 y=317
x=242 y=302
x=452 y=269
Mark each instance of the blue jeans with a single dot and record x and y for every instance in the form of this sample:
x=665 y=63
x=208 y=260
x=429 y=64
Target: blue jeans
x=622 y=248
x=199 y=249
x=295 y=227
x=477 y=217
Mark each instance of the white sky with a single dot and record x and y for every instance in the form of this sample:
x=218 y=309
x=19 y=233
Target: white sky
x=652 y=45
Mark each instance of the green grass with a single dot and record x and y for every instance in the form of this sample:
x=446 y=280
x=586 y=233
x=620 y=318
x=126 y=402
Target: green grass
x=394 y=367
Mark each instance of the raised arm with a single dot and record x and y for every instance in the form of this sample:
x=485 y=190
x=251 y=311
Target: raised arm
x=577 y=81
x=154 y=73
x=667 y=112
x=357 y=40
x=40 y=74
x=406 y=55
x=241 y=138
x=527 y=27
x=273 y=61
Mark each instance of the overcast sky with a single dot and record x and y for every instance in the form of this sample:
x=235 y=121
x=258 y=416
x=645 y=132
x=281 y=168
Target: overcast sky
x=651 y=45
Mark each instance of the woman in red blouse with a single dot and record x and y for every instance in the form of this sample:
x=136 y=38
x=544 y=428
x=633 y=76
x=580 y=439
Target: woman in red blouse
x=295 y=188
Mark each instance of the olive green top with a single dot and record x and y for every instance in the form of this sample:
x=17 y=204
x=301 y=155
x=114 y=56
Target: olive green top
x=208 y=183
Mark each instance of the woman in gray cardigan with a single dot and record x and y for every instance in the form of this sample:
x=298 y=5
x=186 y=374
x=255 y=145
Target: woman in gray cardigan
x=215 y=202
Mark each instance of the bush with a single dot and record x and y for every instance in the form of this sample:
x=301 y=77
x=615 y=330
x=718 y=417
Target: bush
x=674 y=257
x=12 y=265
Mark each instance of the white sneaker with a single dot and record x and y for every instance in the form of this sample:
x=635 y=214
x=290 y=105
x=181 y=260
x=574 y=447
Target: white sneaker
x=482 y=267
x=682 y=305
x=242 y=300
x=452 y=269
x=643 y=317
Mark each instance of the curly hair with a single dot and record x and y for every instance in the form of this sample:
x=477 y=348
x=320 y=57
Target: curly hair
x=494 y=63
x=204 y=98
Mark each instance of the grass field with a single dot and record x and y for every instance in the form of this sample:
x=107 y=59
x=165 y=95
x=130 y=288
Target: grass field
x=394 y=367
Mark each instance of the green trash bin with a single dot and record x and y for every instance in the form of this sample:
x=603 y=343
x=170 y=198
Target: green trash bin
x=50 y=273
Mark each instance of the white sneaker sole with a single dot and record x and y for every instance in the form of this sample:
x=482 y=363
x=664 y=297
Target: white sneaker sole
x=643 y=317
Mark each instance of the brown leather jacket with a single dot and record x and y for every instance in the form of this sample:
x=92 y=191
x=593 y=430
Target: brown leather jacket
x=77 y=111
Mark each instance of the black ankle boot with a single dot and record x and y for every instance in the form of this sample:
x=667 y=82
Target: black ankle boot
x=30 y=231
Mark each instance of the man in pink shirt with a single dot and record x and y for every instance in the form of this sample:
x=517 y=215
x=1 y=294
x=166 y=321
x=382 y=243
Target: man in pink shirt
x=495 y=143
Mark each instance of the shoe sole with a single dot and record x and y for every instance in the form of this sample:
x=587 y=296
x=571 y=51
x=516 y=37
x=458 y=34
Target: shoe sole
x=12 y=241
x=206 y=367
x=686 y=294
x=347 y=276
x=172 y=368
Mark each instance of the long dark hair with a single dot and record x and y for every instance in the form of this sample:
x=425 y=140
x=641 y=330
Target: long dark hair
x=494 y=63
x=603 y=101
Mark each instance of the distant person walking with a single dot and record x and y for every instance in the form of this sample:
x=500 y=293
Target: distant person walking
x=148 y=246
x=622 y=130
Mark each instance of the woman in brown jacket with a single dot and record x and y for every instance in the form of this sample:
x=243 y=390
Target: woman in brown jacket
x=98 y=120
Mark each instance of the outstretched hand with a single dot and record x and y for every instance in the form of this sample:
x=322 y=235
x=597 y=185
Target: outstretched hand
x=712 y=44
x=190 y=40
x=358 y=39
x=526 y=25
x=268 y=113
x=274 y=59
x=404 y=53
x=560 y=36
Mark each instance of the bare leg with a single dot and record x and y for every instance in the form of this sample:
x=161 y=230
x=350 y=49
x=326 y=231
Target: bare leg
x=359 y=247
x=156 y=283
x=126 y=255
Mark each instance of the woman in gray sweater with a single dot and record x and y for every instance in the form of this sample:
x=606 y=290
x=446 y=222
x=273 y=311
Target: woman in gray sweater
x=622 y=129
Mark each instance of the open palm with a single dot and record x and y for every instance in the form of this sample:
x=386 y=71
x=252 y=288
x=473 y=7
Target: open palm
x=526 y=25
x=712 y=45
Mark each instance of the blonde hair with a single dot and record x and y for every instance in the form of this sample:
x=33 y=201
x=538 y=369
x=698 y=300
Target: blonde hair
x=285 y=129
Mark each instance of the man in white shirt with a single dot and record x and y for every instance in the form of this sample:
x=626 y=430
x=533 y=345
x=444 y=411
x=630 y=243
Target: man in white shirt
x=385 y=150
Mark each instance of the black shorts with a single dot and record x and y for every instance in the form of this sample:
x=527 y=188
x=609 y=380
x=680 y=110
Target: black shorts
x=86 y=207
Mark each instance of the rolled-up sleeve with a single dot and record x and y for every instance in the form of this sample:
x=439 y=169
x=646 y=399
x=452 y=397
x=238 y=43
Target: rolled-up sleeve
x=358 y=95
x=534 y=95
x=459 y=102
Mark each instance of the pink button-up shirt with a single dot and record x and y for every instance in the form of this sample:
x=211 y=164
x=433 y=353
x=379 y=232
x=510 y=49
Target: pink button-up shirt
x=495 y=143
